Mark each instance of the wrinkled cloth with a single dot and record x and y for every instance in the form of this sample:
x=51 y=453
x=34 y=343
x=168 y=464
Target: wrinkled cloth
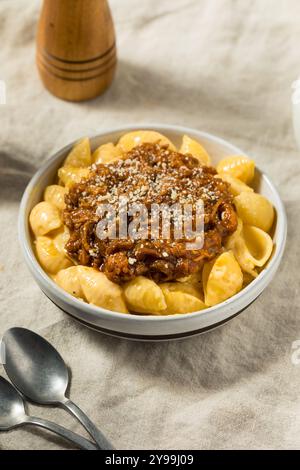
x=223 y=66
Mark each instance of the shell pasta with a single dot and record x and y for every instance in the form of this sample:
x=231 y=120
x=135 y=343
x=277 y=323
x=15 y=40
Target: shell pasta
x=251 y=246
x=255 y=209
x=222 y=278
x=147 y=276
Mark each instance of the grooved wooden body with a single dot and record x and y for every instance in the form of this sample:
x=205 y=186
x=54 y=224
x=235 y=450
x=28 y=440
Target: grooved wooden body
x=76 y=50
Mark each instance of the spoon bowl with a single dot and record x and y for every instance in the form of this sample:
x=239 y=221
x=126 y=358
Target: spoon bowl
x=12 y=411
x=35 y=367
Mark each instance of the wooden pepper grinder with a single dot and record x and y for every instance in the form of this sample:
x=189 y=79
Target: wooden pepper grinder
x=76 y=50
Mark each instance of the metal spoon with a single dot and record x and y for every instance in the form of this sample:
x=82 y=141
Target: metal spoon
x=12 y=415
x=40 y=374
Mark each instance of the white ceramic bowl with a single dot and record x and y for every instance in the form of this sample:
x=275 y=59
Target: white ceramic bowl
x=144 y=327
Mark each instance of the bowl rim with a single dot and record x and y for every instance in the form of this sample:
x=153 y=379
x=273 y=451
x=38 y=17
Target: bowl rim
x=35 y=268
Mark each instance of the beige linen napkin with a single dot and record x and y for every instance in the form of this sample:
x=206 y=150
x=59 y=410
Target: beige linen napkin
x=218 y=65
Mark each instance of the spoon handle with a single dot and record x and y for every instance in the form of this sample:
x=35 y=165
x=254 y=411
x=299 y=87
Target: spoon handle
x=80 y=441
x=97 y=435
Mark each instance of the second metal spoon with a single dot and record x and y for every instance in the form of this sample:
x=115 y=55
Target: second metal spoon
x=12 y=415
x=40 y=374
